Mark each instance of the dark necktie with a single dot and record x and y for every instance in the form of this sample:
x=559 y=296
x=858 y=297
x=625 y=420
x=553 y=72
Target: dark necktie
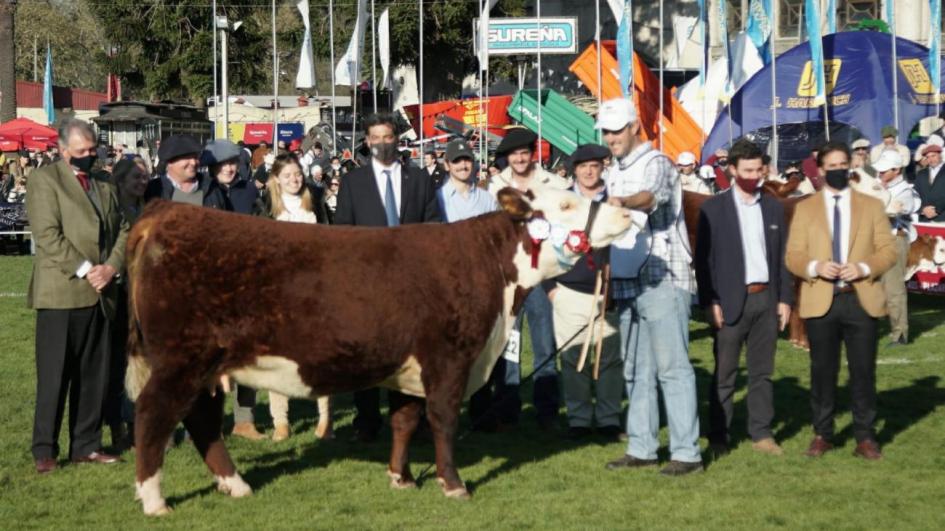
x=390 y=203
x=837 y=230
x=83 y=180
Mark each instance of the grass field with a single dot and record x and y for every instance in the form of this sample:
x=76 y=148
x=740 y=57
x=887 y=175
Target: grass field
x=522 y=479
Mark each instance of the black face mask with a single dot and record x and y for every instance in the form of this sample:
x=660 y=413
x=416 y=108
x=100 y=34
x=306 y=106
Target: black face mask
x=83 y=164
x=385 y=152
x=837 y=179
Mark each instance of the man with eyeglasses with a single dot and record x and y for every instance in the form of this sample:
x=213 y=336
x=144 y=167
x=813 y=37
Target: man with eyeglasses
x=653 y=290
x=861 y=156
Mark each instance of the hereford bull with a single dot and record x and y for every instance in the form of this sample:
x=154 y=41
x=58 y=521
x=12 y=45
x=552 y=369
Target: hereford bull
x=308 y=311
x=927 y=254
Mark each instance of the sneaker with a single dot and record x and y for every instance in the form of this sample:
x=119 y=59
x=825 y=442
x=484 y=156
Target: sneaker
x=628 y=461
x=681 y=468
x=767 y=446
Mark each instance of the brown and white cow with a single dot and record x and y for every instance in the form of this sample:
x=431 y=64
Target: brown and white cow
x=309 y=310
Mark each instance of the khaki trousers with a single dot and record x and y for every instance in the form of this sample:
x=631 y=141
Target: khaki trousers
x=571 y=312
x=896 y=296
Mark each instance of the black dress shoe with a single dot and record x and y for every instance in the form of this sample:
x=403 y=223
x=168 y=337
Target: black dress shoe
x=576 y=433
x=901 y=342
x=628 y=461
x=45 y=465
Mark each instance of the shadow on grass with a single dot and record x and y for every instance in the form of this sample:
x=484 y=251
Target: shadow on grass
x=898 y=409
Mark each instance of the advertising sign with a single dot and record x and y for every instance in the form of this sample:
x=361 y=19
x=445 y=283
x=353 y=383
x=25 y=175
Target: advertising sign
x=522 y=36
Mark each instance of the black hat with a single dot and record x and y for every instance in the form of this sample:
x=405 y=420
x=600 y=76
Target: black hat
x=586 y=152
x=458 y=149
x=176 y=146
x=516 y=138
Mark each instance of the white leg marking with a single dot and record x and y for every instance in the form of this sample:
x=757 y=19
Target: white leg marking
x=233 y=485
x=149 y=492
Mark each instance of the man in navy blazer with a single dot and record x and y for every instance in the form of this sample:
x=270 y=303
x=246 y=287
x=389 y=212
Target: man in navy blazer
x=383 y=193
x=747 y=291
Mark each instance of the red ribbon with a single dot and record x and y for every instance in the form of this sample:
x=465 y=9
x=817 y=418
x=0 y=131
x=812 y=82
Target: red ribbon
x=582 y=247
x=536 y=250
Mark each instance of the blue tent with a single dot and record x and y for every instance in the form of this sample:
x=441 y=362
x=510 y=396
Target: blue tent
x=859 y=89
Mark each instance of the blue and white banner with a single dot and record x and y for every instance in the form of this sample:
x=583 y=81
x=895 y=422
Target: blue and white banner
x=522 y=36
x=703 y=24
x=625 y=48
x=759 y=27
x=814 y=39
x=726 y=51
x=48 y=89
x=935 y=44
x=831 y=16
x=348 y=70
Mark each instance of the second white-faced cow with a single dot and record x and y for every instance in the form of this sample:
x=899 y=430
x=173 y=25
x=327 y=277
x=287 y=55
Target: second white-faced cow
x=309 y=310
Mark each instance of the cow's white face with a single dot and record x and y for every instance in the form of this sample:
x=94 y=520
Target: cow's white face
x=938 y=254
x=558 y=218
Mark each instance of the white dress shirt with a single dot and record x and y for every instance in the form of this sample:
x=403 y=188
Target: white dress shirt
x=933 y=172
x=845 y=217
x=752 y=228
x=381 y=180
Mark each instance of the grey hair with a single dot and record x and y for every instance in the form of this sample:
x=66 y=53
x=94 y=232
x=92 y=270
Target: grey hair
x=74 y=125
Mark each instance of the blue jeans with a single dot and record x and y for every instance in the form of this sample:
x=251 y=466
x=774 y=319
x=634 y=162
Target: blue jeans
x=538 y=311
x=654 y=335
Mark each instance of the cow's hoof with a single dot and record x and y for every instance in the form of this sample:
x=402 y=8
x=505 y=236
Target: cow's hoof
x=162 y=510
x=400 y=482
x=234 y=486
x=324 y=433
x=459 y=493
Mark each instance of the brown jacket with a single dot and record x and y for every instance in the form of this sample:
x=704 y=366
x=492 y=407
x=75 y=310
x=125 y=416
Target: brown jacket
x=871 y=242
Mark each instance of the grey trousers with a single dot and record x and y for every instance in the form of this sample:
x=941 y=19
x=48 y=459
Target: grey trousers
x=894 y=283
x=758 y=327
x=243 y=404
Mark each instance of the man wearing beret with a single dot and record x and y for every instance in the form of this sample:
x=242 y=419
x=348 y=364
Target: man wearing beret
x=180 y=155
x=930 y=183
x=522 y=173
x=222 y=159
x=571 y=295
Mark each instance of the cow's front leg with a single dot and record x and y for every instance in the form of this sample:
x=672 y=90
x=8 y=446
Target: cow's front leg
x=404 y=418
x=323 y=430
x=444 y=398
x=204 y=423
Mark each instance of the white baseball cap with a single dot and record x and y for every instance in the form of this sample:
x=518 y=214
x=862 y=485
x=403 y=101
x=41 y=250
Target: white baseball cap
x=616 y=114
x=686 y=158
x=887 y=161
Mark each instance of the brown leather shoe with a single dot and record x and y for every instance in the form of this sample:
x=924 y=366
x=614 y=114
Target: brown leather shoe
x=45 y=465
x=818 y=447
x=767 y=446
x=97 y=457
x=247 y=430
x=868 y=449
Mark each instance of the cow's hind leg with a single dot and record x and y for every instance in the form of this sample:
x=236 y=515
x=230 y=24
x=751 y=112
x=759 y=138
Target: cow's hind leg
x=324 y=430
x=204 y=423
x=444 y=398
x=404 y=418
x=163 y=402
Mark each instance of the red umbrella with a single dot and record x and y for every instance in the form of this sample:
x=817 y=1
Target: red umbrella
x=25 y=133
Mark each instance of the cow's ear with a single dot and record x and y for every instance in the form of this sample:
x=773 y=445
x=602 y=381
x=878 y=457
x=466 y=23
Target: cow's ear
x=514 y=202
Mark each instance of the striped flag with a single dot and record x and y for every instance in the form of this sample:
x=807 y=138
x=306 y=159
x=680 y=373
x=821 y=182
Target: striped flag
x=625 y=47
x=759 y=27
x=812 y=19
x=726 y=49
x=48 y=89
x=831 y=16
x=935 y=45
x=703 y=23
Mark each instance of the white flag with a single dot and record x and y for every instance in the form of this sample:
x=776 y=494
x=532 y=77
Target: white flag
x=483 y=44
x=616 y=7
x=383 y=43
x=347 y=72
x=306 y=76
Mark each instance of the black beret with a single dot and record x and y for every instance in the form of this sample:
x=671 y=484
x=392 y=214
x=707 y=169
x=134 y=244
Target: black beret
x=586 y=152
x=516 y=138
x=176 y=146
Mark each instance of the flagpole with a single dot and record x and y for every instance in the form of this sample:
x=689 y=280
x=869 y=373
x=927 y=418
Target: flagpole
x=774 y=81
x=703 y=16
x=893 y=70
x=662 y=89
x=331 y=47
x=633 y=85
x=373 y=57
x=600 y=89
x=216 y=99
x=275 y=84
x=538 y=96
x=482 y=52
x=420 y=77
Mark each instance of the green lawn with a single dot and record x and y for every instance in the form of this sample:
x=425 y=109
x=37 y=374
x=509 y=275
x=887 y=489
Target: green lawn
x=523 y=479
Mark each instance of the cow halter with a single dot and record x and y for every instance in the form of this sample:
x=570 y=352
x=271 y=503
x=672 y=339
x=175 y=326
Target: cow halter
x=576 y=241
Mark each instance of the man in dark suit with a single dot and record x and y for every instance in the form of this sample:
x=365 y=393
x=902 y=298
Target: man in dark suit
x=80 y=236
x=930 y=183
x=747 y=290
x=383 y=193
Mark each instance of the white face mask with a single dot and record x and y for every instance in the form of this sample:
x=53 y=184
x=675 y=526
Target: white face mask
x=336 y=167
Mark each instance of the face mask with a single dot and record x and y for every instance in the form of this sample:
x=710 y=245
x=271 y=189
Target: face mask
x=837 y=179
x=336 y=167
x=83 y=164
x=748 y=185
x=384 y=152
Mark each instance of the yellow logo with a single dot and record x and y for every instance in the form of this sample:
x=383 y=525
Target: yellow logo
x=808 y=85
x=916 y=75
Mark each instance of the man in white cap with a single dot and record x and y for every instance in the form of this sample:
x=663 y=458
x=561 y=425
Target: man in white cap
x=691 y=181
x=861 y=156
x=904 y=203
x=653 y=289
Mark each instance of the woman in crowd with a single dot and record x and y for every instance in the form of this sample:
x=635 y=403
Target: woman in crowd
x=331 y=198
x=287 y=198
x=17 y=193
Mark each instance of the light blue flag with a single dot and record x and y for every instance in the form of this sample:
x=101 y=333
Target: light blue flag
x=935 y=45
x=812 y=19
x=703 y=23
x=831 y=16
x=625 y=47
x=726 y=51
x=48 y=89
x=759 y=27
x=890 y=15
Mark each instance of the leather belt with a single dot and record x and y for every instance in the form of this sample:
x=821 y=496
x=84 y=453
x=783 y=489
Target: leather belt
x=756 y=288
x=902 y=233
x=845 y=289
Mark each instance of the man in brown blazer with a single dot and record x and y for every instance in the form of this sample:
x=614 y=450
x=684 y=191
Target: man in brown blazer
x=840 y=245
x=80 y=236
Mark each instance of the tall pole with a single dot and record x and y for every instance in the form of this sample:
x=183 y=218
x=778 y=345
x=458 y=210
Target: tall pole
x=373 y=57
x=275 y=84
x=538 y=96
x=482 y=53
x=420 y=78
x=36 y=60
x=600 y=88
x=662 y=90
x=774 y=83
x=225 y=84
x=216 y=99
x=331 y=47
x=893 y=70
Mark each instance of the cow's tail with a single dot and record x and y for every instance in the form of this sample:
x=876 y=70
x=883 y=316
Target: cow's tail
x=139 y=370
